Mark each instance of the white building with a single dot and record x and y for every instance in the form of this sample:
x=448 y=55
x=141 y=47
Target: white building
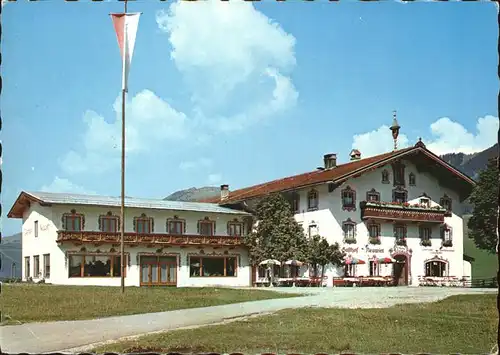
x=75 y=240
x=402 y=206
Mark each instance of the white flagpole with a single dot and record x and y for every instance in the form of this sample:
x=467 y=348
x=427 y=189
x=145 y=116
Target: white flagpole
x=122 y=207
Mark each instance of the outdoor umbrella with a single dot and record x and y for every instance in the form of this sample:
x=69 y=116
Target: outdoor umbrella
x=294 y=263
x=354 y=261
x=270 y=262
x=385 y=260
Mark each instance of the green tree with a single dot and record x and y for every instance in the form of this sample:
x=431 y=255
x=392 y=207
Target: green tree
x=321 y=253
x=484 y=199
x=277 y=234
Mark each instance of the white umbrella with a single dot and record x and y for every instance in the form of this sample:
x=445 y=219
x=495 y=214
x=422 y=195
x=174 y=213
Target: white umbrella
x=270 y=262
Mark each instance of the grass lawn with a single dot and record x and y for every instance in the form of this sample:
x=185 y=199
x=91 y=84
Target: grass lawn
x=40 y=303
x=485 y=265
x=465 y=324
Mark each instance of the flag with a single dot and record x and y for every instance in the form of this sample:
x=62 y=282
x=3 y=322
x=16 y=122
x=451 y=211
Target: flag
x=126 y=30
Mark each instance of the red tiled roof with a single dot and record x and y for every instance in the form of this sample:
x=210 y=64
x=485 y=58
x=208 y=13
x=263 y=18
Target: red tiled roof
x=336 y=174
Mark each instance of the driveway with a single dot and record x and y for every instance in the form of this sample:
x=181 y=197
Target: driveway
x=58 y=336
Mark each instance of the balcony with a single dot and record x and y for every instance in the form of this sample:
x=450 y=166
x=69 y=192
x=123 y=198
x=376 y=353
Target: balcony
x=146 y=239
x=405 y=212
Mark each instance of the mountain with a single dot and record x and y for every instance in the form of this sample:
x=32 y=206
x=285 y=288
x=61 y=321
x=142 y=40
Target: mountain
x=10 y=257
x=471 y=164
x=194 y=194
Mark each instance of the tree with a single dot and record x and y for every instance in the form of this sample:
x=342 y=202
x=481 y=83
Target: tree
x=484 y=197
x=277 y=234
x=321 y=253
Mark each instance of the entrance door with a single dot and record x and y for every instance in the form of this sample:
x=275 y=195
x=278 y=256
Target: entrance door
x=400 y=270
x=158 y=271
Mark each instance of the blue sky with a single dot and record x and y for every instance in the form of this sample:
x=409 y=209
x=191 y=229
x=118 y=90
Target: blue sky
x=236 y=93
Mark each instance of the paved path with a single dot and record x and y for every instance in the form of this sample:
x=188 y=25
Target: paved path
x=57 y=336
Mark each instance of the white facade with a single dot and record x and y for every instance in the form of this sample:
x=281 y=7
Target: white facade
x=40 y=232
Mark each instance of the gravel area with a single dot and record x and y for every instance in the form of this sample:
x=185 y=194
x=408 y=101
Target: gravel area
x=59 y=336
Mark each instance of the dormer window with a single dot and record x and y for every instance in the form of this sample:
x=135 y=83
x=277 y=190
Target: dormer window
x=399 y=195
x=143 y=224
x=445 y=202
x=348 y=199
x=176 y=226
x=424 y=201
x=312 y=200
x=385 y=177
x=373 y=196
x=398 y=171
x=412 y=179
x=73 y=222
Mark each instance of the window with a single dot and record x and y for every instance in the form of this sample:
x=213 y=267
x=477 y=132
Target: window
x=36 y=266
x=312 y=200
x=235 y=228
x=94 y=265
x=373 y=196
x=447 y=236
x=436 y=268
x=374 y=230
x=348 y=199
x=143 y=224
x=212 y=266
x=73 y=221
x=27 y=267
x=108 y=223
x=313 y=230
x=46 y=266
x=399 y=195
x=350 y=270
x=400 y=232
x=445 y=201
x=206 y=227
x=425 y=233
x=385 y=177
x=262 y=272
x=349 y=228
x=176 y=226
x=295 y=203
x=398 y=170
x=35 y=227
x=412 y=179
x=374 y=268
x=425 y=202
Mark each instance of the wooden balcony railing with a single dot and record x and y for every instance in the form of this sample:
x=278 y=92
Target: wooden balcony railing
x=401 y=212
x=146 y=239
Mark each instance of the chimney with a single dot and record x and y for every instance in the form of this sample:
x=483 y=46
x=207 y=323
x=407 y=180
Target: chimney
x=330 y=160
x=355 y=154
x=224 y=192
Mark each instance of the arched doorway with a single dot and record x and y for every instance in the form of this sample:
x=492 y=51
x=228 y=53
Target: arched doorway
x=400 y=269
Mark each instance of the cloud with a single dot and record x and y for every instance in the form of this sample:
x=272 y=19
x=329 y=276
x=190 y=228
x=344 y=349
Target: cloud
x=201 y=162
x=214 y=178
x=64 y=185
x=446 y=136
x=224 y=63
x=150 y=120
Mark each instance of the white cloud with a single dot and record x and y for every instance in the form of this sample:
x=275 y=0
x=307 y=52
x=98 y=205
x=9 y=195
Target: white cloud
x=225 y=63
x=149 y=121
x=214 y=178
x=446 y=136
x=64 y=185
x=191 y=164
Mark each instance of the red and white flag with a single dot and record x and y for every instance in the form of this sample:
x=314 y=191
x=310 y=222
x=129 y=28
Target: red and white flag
x=126 y=30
